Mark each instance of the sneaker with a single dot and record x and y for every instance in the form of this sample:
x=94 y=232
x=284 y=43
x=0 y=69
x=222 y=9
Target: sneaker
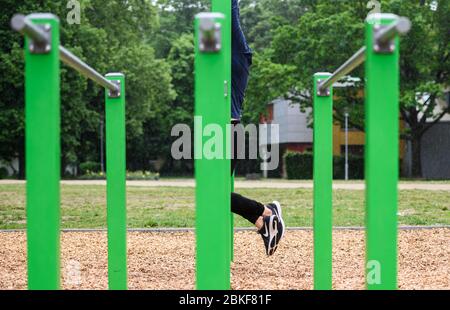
x=275 y=207
x=269 y=233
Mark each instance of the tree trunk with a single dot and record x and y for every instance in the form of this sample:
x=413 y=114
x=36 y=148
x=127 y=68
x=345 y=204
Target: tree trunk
x=416 y=157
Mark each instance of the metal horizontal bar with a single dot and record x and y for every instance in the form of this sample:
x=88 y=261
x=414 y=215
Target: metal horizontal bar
x=23 y=25
x=355 y=61
x=76 y=63
x=401 y=26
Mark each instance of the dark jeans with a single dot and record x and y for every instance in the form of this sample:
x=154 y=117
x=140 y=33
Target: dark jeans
x=241 y=61
x=249 y=209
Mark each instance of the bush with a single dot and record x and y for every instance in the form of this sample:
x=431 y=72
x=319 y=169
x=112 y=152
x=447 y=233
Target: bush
x=3 y=173
x=338 y=168
x=299 y=166
x=142 y=175
x=131 y=176
x=177 y=168
x=248 y=166
x=356 y=164
x=356 y=167
x=89 y=167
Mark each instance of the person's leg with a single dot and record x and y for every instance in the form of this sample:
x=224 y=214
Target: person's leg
x=253 y=211
x=266 y=218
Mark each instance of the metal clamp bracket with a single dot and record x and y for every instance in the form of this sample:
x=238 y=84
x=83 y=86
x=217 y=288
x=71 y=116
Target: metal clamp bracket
x=115 y=94
x=210 y=36
x=323 y=92
x=36 y=47
x=379 y=46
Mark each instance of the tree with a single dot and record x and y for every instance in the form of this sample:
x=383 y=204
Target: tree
x=12 y=85
x=325 y=37
x=425 y=67
x=181 y=61
x=112 y=36
x=176 y=18
x=261 y=18
x=267 y=82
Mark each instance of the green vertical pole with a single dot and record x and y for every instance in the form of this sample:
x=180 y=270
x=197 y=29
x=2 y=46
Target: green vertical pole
x=42 y=97
x=382 y=156
x=323 y=181
x=116 y=185
x=213 y=179
x=224 y=7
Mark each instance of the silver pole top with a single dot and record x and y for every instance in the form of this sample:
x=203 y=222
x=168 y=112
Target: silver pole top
x=23 y=25
x=401 y=27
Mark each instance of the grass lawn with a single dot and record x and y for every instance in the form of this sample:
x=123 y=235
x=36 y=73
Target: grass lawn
x=85 y=207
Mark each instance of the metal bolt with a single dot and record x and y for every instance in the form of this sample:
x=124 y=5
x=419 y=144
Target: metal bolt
x=225 y=90
x=114 y=94
x=47 y=27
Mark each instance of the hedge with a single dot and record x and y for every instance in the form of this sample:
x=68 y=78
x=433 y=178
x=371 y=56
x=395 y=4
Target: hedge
x=299 y=166
x=89 y=166
x=3 y=173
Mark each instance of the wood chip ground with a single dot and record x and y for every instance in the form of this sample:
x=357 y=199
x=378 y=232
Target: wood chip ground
x=166 y=261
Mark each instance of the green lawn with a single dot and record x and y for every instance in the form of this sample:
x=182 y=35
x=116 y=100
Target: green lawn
x=85 y=207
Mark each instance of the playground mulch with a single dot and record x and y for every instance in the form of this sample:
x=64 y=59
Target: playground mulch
x=166 y=261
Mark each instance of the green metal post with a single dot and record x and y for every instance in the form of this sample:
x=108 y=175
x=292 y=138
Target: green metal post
x=116 y=185
x=42 y=97
x=224 y=7
x=382 y=157
x=323 y=181
x=213 y=179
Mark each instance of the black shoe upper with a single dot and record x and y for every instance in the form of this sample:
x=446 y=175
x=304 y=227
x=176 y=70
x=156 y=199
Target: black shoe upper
x=270 y=234
x=276 y=233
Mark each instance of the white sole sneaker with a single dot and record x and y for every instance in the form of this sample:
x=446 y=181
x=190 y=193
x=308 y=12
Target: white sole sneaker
x=280 y=216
